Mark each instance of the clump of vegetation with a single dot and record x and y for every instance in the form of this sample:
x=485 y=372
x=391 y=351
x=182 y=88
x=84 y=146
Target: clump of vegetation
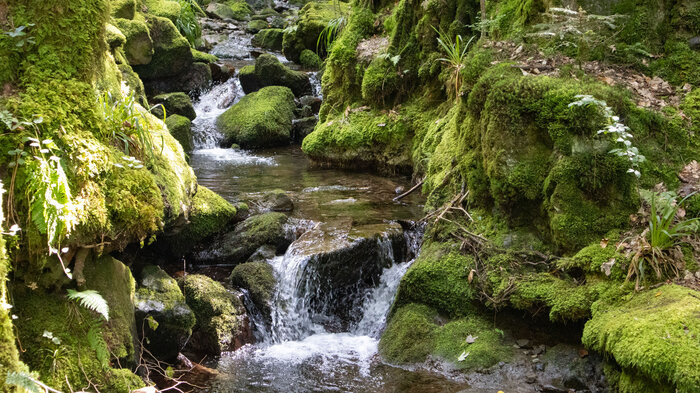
x=456 y=51
x=187 y=22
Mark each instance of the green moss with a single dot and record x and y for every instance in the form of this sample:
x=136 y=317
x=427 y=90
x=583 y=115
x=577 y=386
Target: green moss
x=679 y=65
x=163 y=8
x=171 y=51
x=175 y=103
x=310 y=60
x=240 y=9
x=114 y=37
x=139 y=45
x=263 y=118
x=269 y=71
x=362 y=139
x=255 y=26
x=268 y=39
x=313 y=18
x=380 y=83
x=410 y=335
x=125 y=9
x=653 y=334
x=439 y=278
x=249 y=81
x=258 y=278
x=134 y=83
x=202 y=57
x=180 y=128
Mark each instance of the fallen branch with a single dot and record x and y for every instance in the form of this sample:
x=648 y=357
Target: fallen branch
x=405 y=194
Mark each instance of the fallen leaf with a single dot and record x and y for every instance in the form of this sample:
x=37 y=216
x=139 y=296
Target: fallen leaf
x=604 y=242
x=471 y=276
x=463 y=356
x=470 y=339
x=607 y=266
x=582 y=353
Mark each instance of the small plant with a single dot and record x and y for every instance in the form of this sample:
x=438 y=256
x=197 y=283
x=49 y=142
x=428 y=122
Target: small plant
x=456 y=51
x=667 y=228
x=329 y=34
x=20 y=37
x=91 y=300
x=616 y=131
x=27 y=382
x=187 y=22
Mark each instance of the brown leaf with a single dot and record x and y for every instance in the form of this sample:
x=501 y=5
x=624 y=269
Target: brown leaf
x=582 y=353
x=604 y=242
x=471 y=276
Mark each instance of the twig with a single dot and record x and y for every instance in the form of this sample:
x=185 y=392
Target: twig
x=405 y=194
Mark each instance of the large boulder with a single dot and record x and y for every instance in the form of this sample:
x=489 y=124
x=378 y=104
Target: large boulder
x=175 y=104
x=171 y=51
x=125 y=9
x=259 y=119
x=259 y=280
x=269 y=71
x=310 y=60
x=180 y=128
x=139 y=45
x=249 y=236
x=313 y=19
x=249 y=81
x=219 y=11
x=222 y=323
x=193 y=80
x=159 y=297
x=270 y=39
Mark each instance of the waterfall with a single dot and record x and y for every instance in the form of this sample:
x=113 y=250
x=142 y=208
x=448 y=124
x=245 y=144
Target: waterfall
x=208 y=108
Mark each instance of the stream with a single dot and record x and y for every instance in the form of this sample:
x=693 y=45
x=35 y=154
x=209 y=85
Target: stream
x=307 y=346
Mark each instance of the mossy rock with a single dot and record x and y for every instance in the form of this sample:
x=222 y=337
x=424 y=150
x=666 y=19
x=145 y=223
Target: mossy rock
x=652 y=334
x=171 y=51
x=271 y=72
x=210 y=214
x=203 y=57
x=175 y=104
x=415 y=332
x=259 y=119
x=221 y=321
x=241 y=9
x=310 y=60
x=270 y=39
x=139 y=44
x=256 y=25
x=180 y=128
x=114 y=37
x=160 y=298
x=9 y=355
x=277 y=201
x=313 y=19
x=125 y=9
x=365 y=139
x=219 y=11
x=193 y=80
x=134 y=83
x=169 y=9
x=249 y=81
x=259 y=280
x=256 y=231
x=380 y=83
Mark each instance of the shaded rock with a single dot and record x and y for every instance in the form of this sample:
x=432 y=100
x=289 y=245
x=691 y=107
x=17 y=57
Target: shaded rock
x=195 y=79
x=114 y=36
x=259 y=119
x=694 y=43
x=270 y=39
x=180 y=128
x=262 y=254
x=303 y=127
x=159 y=297
x=125 y=9
x=222 y=324
x=139 y=45
x=313 y=19
x=271 y=72
x=259 y=280
x=203 y=57
x=219 y=11
x=171 y=51
x=255 y=26
x=238 y=245
x=175 y=104
x=311 y=101
x=249 y=81
x=222 y=70
x=310 y=60
x=277 y=201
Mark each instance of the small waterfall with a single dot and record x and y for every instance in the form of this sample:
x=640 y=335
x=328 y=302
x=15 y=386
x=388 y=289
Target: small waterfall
x=315 y=85
x=208 y=108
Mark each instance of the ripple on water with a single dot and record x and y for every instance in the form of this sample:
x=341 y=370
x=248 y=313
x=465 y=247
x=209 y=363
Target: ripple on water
x=232 y=157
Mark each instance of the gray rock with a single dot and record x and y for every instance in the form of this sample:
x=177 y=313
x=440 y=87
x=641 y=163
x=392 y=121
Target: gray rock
x=303 y=127
x=277 y=201
x=694 y=43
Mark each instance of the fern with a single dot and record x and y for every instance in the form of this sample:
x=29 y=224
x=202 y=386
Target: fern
x=91 y=300
x=98 y=344
x=23 y=381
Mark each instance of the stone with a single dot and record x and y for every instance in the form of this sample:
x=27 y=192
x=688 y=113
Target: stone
x=219 y=11
x=270 y=39
x=694 y=43
x=277 y=201
x=222 y=323
x=192 y=81
x=311 y=101
x=175 y=104
x=139 y=45
x=171 y=51
x=249 y=81
x=159 y=297
x=310 y=60
x=255 y=26
x=222 y=70
x=180 y=128
x=114 y=36
x=303 y=127
x=259 y=280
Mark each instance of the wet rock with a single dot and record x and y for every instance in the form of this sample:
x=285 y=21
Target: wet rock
x=259 y=280
x=175 y=104
x=180 y=128
x=222 y=71
x=211 y=40
x=523 y=343
x=259 y=119
x=270 y=39
x=255 y=26
x=249 y=235
x=263 y=253
x=303 y=127
x=249 y=81
x=313 y=102
x=222 y=324
x=158 y=296
x=347 y=260
x=277 y=201
x=268 y=71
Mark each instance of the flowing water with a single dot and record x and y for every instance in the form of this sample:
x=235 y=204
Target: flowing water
x=316 y=339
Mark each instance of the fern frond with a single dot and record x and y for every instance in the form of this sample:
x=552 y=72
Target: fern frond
x=91 y=300
x=23 y=381
x=98 y=344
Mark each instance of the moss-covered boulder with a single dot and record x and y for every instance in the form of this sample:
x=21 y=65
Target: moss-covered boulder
x=259 y=280
x=259 y=119
x=270 y=39
x=241 y=9
x=134 y=83
x=171 y=51
x=160 y=299
x=193 y=80
x=365 y=139
x=416 y=332
x=313 y=19
x=203 y=57
x=256 y=25
x=271 y=72
x=277 y=201
x=219 y=11
x=210 y=214
x=652 y=336
x=114 y=37
x=301 y=128
x=180 y=128
x=175 y=104
x=84 y=346
x=169 y=9
x=249 y=81
x=139 y=45
x=310 y=60
x=125 y=9
x=222 y=324
x=249 y=235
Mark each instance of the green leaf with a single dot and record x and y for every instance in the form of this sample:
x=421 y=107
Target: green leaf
x=91 y=300
x=24 y=381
